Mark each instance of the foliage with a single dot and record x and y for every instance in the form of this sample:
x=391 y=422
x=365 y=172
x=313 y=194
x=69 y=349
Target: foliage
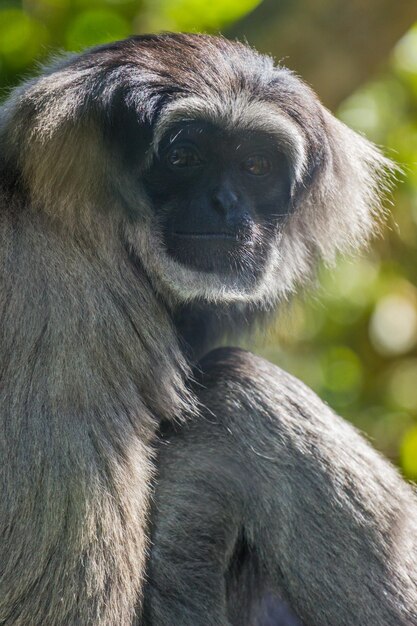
x=30 y=30
x=355 y=340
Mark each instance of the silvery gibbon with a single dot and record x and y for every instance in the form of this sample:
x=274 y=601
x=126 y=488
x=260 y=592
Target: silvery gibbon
x=157 y=194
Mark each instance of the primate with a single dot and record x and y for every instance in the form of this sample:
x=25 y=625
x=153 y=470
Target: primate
x=156 y=194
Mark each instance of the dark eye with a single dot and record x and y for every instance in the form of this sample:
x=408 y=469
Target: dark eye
x=257 y=165
x=183 y=157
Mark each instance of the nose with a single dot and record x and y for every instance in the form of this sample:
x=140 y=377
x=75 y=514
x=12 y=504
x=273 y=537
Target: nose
x=225 y=199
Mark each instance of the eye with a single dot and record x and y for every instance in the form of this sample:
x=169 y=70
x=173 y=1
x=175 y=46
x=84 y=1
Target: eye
x=183 y=156
x=257 y=165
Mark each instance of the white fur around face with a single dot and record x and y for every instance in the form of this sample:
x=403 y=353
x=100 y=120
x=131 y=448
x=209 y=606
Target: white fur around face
x=186 y=284
x=178 y=283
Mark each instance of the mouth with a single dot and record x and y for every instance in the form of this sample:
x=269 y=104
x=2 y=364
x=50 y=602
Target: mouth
x=238 y=237
x=220 y=252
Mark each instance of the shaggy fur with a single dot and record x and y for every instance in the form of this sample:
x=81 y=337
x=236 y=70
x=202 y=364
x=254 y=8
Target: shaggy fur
x=94 y=314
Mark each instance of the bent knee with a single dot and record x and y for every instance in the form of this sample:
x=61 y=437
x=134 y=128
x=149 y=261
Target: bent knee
x=236 y=375
x=238 y=366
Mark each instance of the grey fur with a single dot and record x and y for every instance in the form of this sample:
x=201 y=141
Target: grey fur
x=92 y=312
x=270 y=490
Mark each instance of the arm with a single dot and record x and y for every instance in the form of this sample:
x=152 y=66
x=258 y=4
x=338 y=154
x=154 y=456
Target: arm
x=271 y=491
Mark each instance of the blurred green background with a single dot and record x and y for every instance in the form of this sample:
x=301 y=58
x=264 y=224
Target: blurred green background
x=354 y=337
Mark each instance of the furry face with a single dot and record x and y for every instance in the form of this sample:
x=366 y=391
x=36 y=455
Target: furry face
x=213 y=230
x=219 y=197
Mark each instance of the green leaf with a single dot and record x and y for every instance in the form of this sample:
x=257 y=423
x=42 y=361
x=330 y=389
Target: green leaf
x=96 y=26
x=409 y=453
x=21 y=38
x=194 y=15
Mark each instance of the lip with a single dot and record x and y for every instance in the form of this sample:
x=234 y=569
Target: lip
x=215 y=235
x=238 y=237
x=221 y=251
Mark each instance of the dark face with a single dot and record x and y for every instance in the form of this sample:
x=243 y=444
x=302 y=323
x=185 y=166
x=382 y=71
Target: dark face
x=218 y=196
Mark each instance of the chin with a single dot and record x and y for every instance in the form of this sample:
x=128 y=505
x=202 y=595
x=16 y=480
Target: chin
x=245 y=273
